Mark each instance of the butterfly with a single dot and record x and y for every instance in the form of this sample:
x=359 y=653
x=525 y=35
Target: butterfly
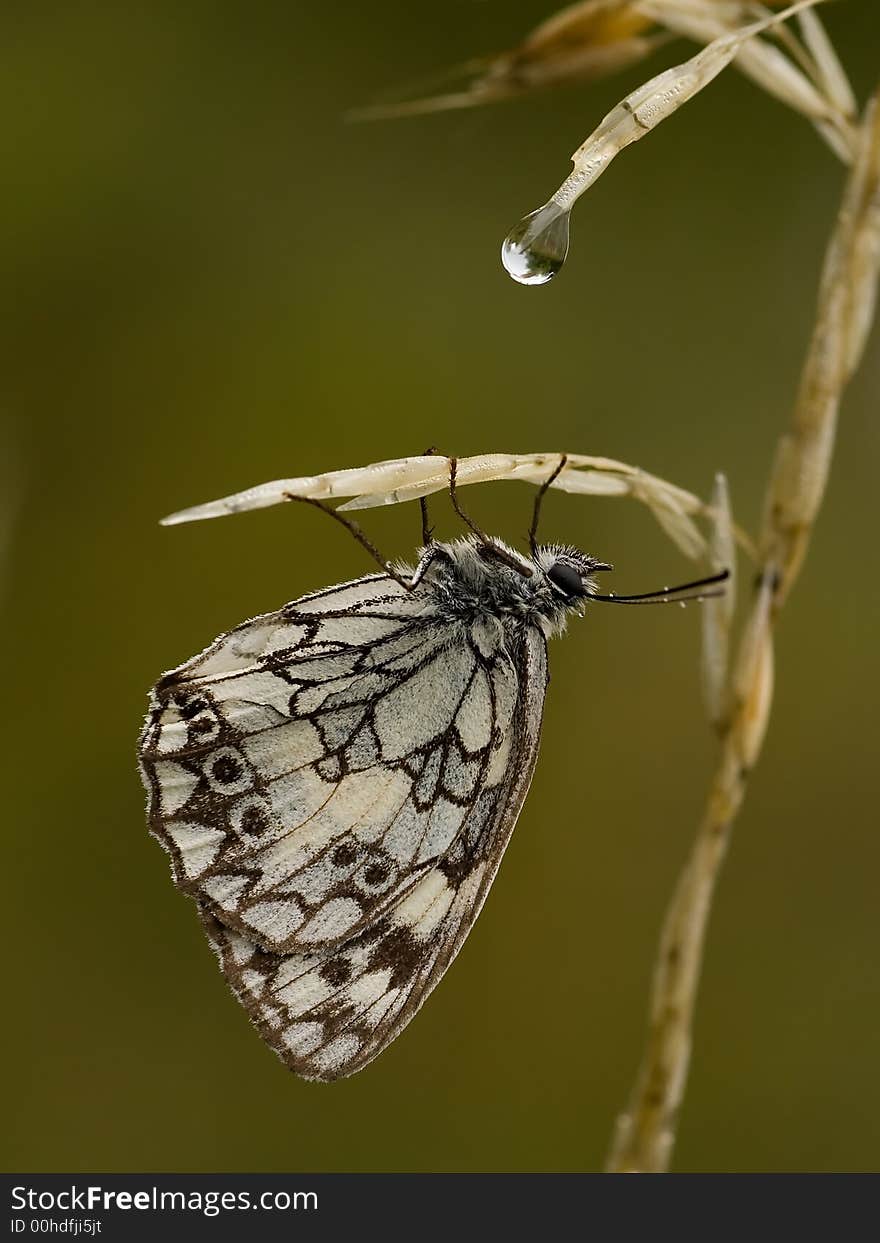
x=336 y=783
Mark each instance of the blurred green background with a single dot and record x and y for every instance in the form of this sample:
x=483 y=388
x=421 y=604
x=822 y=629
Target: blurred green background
x=214 y=281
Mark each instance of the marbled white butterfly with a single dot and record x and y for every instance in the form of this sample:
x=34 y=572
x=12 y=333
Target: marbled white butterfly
x=336 y=783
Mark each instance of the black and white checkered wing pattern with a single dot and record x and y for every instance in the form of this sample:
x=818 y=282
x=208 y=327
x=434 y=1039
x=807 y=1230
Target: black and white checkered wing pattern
x=328 y=1013
x=311 y=774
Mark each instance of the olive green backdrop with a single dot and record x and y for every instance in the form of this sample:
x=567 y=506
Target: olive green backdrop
x=214 y=281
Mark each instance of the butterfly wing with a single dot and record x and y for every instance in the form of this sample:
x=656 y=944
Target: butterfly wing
x=311 y=766
x=328 y=1013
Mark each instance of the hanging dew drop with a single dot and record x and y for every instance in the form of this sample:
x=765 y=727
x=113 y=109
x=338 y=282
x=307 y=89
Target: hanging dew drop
x=535 y=249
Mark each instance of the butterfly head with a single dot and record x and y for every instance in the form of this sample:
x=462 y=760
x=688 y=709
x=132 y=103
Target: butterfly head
x=568 y=573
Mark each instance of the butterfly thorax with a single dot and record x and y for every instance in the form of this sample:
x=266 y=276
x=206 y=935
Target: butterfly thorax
x=472 y=581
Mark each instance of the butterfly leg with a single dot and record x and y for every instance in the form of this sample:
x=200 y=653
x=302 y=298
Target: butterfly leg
x=427 y=529
x=453 y=496
x=487 y=546
x=536 y=512
x=431 y=554
x=355 y=530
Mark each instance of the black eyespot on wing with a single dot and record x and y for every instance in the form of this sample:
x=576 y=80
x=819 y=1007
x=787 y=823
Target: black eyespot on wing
x=566 y=579
x=226 y=769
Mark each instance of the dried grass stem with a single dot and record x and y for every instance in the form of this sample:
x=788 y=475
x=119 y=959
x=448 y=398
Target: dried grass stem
x=645 y=1133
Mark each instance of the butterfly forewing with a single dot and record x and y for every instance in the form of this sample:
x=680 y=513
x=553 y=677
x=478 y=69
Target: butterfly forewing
x=336 y=783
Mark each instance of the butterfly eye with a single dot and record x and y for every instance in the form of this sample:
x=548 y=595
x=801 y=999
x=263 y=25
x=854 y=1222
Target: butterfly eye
x=566 y=579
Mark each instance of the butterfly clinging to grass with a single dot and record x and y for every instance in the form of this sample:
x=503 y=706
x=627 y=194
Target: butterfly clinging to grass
x=336 y=782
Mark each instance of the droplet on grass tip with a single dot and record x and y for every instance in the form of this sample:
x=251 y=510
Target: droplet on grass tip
x=535 y=249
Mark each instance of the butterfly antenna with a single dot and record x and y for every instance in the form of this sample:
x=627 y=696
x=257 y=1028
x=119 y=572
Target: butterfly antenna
x=536 y=512
x=355 y=530
x=667 y=595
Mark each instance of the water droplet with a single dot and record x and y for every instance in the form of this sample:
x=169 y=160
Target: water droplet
x=535 y=249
